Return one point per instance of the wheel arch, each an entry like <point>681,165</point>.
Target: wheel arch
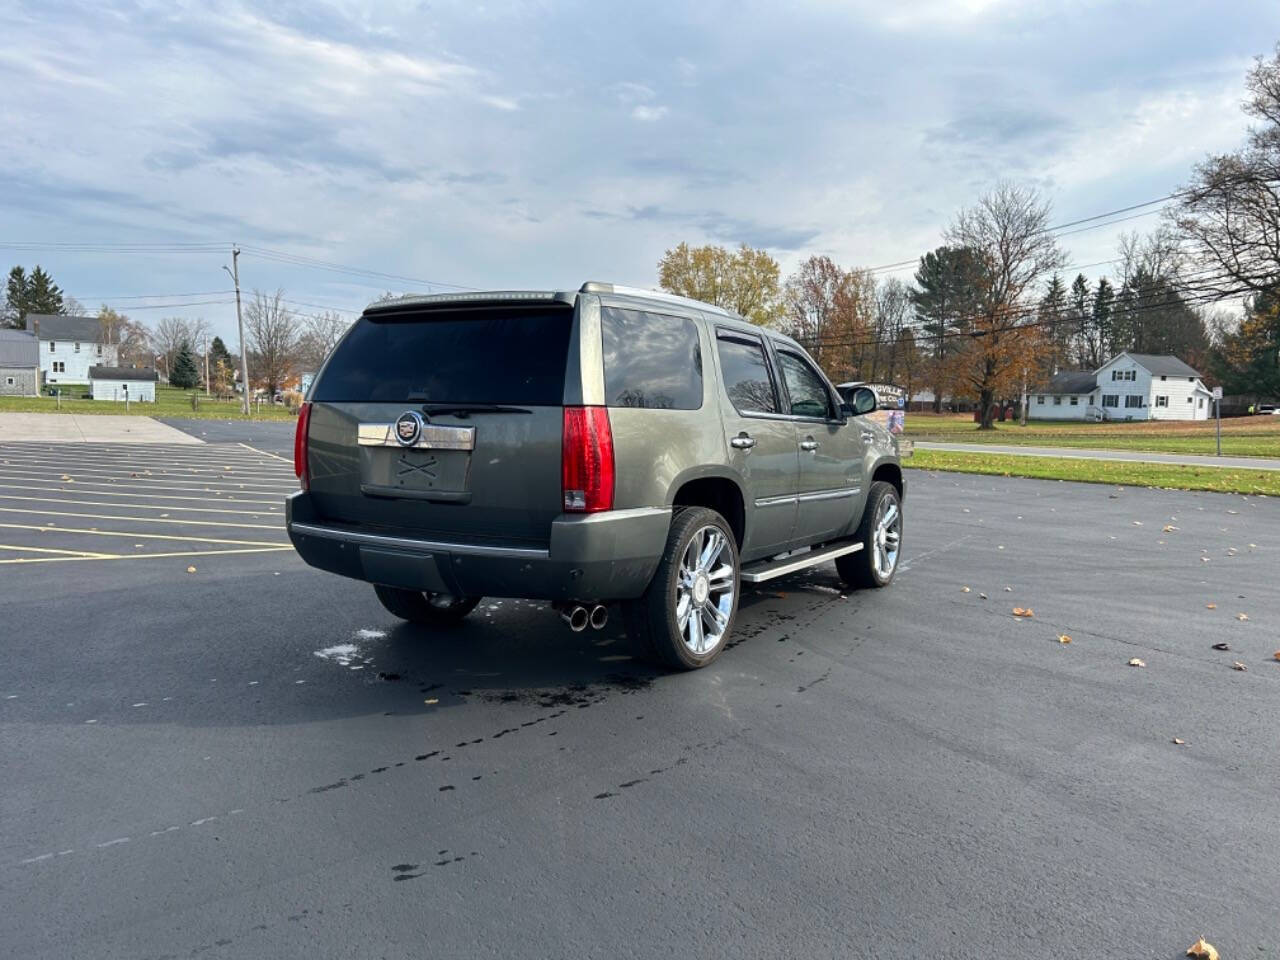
<point>716,490</point>
<point>890,472</point>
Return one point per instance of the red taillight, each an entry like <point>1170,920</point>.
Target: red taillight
<point>586,460</point>
<point>300,445</point>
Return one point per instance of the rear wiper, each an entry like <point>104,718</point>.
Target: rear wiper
<point>464,409</point>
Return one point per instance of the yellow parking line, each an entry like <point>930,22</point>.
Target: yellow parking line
<point>137,506</point>
<point>186,523</point>
<point>138,536</point>
<point>113,493</point>
<point>78,553</point>
<point>145,556</point>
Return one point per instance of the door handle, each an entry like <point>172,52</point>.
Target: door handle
<point>868,436</point>
<point>808,443</point>
<point>743,441</point>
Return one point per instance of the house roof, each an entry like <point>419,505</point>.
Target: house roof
<point>122,373</point>
<point>18,349</point>
<point>1162,365</point>
<point>55,326</point>
<point>1072,381</point>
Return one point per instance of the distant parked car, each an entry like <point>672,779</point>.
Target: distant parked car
<point>1270,408</point>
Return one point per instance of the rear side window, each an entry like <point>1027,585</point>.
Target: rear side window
<point>509,355</point>
<point>746,376</point>
<point>650,360</point>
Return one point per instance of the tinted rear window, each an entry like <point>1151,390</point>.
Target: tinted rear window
<point>746,376</point>
<point>490,355</point>
<point>651,360</point>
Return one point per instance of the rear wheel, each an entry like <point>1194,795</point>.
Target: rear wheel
<point>417,606</point>
<point>881,535</point>
<point>685,617</point>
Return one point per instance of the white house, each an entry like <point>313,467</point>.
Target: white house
<point>121,383</point>
<point>69,346</point>
<point>1131,386</point>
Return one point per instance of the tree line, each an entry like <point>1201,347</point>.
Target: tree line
<point>990,313</point>
<point>281,342</point>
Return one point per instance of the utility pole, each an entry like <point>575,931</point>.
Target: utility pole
<point>206,364</point>
<point>244,359</point>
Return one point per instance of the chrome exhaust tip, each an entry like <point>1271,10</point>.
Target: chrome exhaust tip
<point>599,616</point>
<point>576,617</point>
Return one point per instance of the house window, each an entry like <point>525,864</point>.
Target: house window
<point>99,349</point>
<point>1111,399</point>
<point>1133,400</point>
<point>1188,399</point>
<point>1191,379</point>
<point>1163,378</point>
<point>77,347</point>
<point>59,366</point>
<point>52,346</point>
<point>8,381</point>
<point>1057,401</point>
<point>1201,403</point>
<point>1115,375</point>
<point>1091,399</point>
<point>1075,401</point>
<point>1040,400</point>
<point>1162,401</point>
<point>1133,375</point>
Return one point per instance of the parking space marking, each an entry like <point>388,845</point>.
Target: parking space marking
<point>149,556</point>
<point>158,484</point>
<point>188,523</point>
<point>75,553</point>
<point>140,536</point>
<point>115,493</point>
<point>102,477</point>
<point>134,506</point>
<point>150,469</point>
<point>266,453</point>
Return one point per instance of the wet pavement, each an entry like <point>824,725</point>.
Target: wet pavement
<point>254,759</point>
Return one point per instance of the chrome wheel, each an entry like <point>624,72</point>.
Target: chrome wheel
<point>705,590</point>
<point>886,537</point>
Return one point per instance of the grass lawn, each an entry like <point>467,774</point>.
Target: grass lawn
<point>1217,479</point>
<point>170,402</point>
<point>1241,436</point>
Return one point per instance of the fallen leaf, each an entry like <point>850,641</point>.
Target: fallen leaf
<point>1135,662</point>
<point>1211,606</point>
<point>1277,654</point>
<point>1137,523</point>
<point>65,477</point>
<point>191,569</point>
<point>1222,646</point>
<point>964,589</point>
<point>1242,616</point>
<point>1008,589</point>
<point>1239,666</point>
<point>1169,528</point>
<point>1023,612</point>
<point>983,596</point>
<point>1063,638</point>
<point>1202,949</point>
<point>432,700</point>
<point>1179,741</point>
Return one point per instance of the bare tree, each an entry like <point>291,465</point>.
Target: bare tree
<point>272,331</point>
<point>167,338</point>
<point>320,334</point>
<point>829,310</point>
<point>893,307</point>
<point>1230,212</point>
<point>1008,230</point>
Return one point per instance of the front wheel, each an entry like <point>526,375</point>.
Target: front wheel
<point>685,617</point>
<point>880,533</point>
<point>429,609</point>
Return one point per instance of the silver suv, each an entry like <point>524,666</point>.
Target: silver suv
<point>606,445</point>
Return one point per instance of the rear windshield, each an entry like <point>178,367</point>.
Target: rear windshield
<point>510,355</point>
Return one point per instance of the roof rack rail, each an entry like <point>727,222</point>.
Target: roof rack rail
<point>595,286</point>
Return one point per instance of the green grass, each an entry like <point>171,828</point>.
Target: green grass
<point>1169,476</point>
<point>170,402</point>
<point>1241,436</point>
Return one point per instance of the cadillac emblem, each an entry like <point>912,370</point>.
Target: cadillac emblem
<point>408,428</point>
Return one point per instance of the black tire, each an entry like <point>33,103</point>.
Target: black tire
<point>861,569</point>
<point>653,621</point>
<point>430,609</point>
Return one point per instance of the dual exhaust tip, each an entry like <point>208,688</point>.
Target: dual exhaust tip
<point>578,617</point>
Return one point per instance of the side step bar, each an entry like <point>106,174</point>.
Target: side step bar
<point>768,569</point>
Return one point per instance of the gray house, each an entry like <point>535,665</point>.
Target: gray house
<point>19,364</point>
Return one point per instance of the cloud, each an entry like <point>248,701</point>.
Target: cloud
<point>647,114</point>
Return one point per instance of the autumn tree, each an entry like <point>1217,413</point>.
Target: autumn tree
<point>1247,358</point>
<point>272,332</point>
<point>132,340</point>
<point>1229,214</point>
<point>829,310</point>
<point>744,281</point>
<point>1008,232</point>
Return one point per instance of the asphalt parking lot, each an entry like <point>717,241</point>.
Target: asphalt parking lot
<point>254,759</point>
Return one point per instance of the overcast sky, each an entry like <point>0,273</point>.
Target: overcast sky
<point>543,144</point>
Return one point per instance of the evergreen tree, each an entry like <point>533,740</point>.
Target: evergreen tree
<point>34,293</point>
<point>185,374</point>
<point>944,305</point>
<point>1103,320</point>
<point>1051,314</point>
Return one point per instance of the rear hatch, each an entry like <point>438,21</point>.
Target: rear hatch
<point>487,382</point>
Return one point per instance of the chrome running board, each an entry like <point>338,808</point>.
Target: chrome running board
<point>761,571</point>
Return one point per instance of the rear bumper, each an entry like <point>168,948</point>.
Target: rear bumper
<point>601,556</point>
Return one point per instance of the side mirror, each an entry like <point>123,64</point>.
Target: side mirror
<point>864,401</point>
